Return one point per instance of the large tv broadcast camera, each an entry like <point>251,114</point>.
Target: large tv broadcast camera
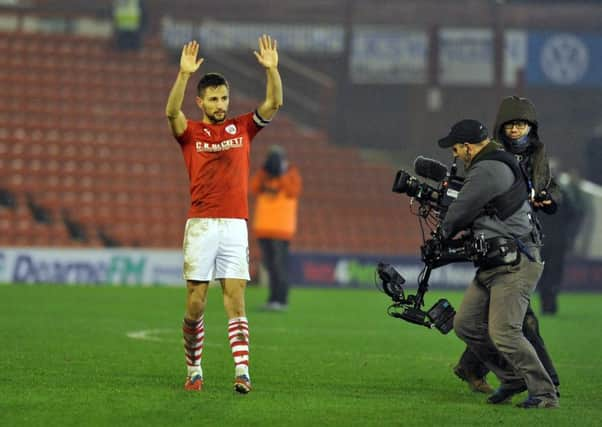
<point>433,202</point>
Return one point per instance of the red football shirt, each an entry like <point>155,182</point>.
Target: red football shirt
<point>217,159</point>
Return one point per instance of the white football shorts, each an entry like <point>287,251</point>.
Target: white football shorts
<point>216,248</point>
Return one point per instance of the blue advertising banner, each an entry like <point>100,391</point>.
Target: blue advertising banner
<point>564,59</point>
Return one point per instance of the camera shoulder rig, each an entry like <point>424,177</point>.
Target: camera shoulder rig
<point>438,252</point>
<point>439,316</point>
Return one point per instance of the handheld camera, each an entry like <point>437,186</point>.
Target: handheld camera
<point>433,201</point>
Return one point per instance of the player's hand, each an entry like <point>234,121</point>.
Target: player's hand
<point>188,61</point>
<point>268,52</point>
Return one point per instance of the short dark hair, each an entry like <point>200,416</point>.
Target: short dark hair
<point>210,80</point>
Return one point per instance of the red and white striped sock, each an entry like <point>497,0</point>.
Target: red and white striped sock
<point>193,332</point>
<point>238,335</point>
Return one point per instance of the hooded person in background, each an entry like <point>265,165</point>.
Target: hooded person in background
<point>516,128</point>
<point>593,157</point>
<point>561,230</point>
<point>277,186</point>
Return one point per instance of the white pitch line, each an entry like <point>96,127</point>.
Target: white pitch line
<point>148,334</point>
<point>151,335</point>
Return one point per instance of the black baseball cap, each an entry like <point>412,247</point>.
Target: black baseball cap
<point>468,130</point>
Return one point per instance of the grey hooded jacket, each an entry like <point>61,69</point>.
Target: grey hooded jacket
<point>536,162</point>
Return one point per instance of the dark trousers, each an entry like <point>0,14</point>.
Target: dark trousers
<point>274,254</point>
<point>472,364</point>
<point>128,40</point>
<point>551,279</point>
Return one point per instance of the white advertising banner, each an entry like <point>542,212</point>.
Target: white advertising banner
<point>231,35</point>
<point>466,56</point>
<point>388,55</point>
<point>515,56</point>
<point>109,267</point>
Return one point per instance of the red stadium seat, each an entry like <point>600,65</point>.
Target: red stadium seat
<point>97,145</point>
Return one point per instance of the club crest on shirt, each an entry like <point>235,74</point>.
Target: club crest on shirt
<point>231,129</point>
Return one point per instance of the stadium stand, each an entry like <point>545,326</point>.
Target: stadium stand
<point>84,146</point>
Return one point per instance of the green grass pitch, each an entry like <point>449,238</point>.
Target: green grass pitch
<point>85,356</point>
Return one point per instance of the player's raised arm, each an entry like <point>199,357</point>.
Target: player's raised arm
<point>268,58</point>
<point>188,65</point>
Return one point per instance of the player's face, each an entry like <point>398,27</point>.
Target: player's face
<point>214,103</point>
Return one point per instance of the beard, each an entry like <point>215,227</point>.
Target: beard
<point>217,117</point>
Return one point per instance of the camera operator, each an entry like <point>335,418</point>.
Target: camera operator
<point>493,204</point>
<point>516,127</point>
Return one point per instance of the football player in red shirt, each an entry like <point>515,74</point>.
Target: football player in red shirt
<point>216,152</point>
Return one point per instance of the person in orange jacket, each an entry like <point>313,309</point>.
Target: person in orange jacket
<point>277,186</point>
